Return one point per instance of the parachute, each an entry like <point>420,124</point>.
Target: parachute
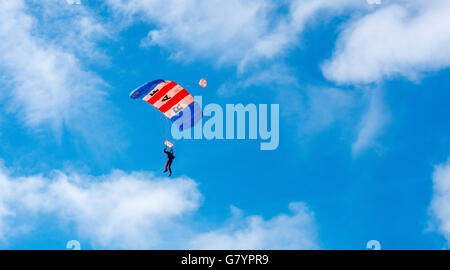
<point>172,100</point>
<point>202,83</point>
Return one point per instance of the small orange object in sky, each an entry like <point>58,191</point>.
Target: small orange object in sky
<point>202,83</point>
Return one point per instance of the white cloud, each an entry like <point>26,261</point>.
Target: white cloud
<point>407,38</point>
<point>236,31</point>
<point>441,198</point>
<point>46,83</point>
<point>117,210</point>
<point>135,210</point>
<point>296,231</point>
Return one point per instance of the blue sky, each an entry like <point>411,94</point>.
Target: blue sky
<point>364,135</point>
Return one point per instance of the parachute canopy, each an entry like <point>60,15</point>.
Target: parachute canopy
<point>172,100</point>
<point>202,83</point>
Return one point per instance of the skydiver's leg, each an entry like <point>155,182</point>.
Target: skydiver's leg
<point>167,164</point>
<point>170,167</point>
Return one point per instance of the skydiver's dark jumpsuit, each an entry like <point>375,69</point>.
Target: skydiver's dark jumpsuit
<point>170,157</point>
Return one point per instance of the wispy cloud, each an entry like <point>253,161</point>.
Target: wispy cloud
<point>277,76</point>
<point>46,83</point>
<point>326,106</point>
<point>234,32</point>
<point>372,123</point>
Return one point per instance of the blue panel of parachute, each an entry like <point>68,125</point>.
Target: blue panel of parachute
<point>188,117</point>
<point>144,89</point>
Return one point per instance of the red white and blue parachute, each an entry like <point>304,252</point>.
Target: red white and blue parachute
<point>172,100</point>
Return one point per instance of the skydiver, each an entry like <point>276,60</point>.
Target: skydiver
<point>170,157</point>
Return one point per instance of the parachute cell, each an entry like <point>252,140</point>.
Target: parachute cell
<point>172,100</point>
